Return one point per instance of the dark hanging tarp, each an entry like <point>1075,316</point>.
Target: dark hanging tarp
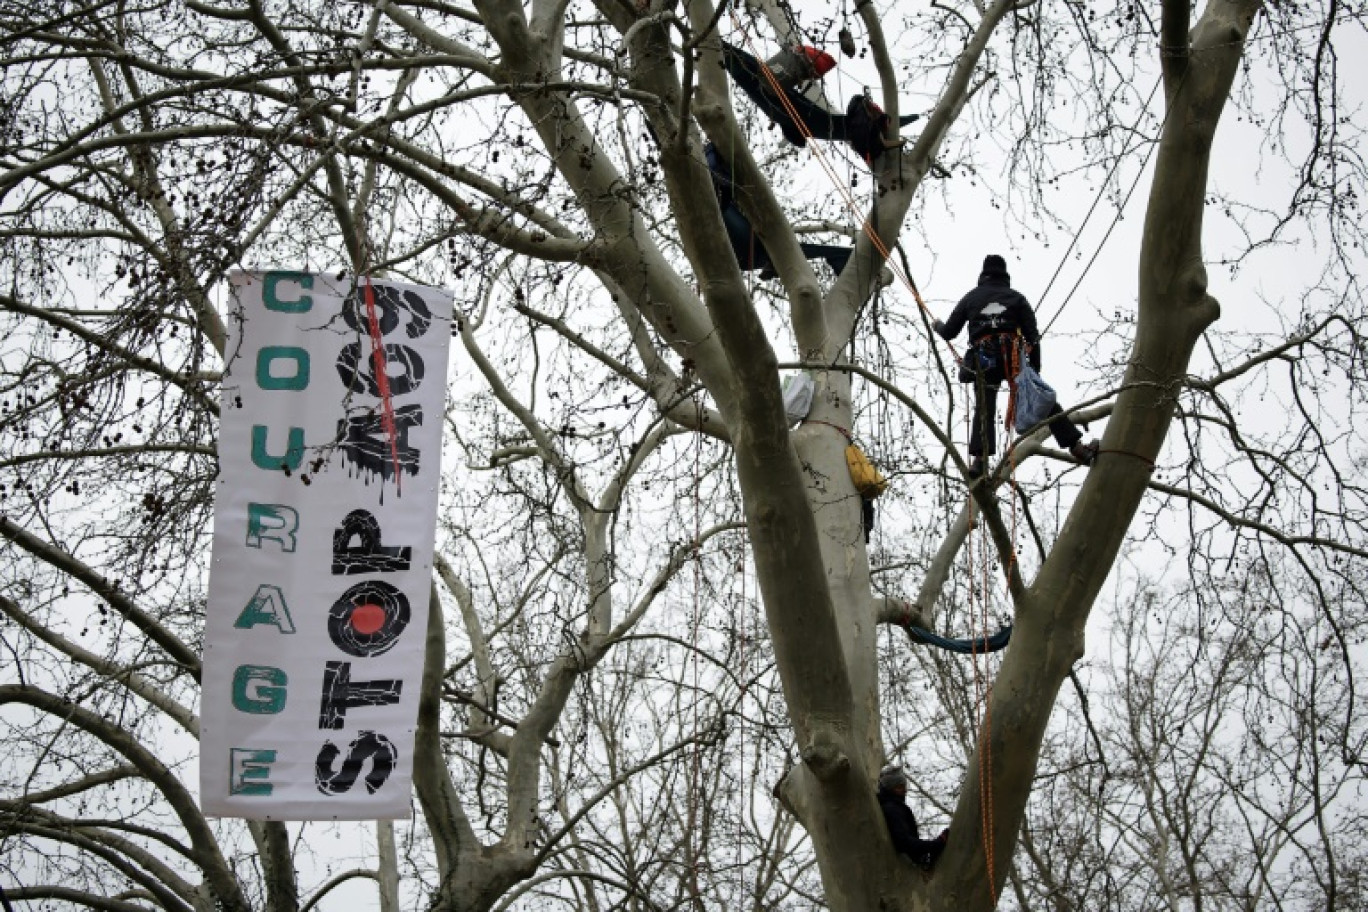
<point>822,124</point>
<point>993,643</point>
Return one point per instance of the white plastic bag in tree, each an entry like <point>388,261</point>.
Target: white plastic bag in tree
<point>798,389</point>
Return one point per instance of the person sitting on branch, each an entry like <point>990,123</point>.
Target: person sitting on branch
<point>999,319</point>
<point>902,825</point>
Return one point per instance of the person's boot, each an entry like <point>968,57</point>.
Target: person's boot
<point>1085,453</point>
<point>976,467</point>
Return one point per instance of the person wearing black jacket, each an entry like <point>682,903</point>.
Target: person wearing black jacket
<point>745,243</point>
<point>995,313</point>
<point>902,826</point>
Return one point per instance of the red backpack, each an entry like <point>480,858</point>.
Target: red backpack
<point>799,63</point>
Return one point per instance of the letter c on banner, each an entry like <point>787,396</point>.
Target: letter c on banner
<point>270,292</point>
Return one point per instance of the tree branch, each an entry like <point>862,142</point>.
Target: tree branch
<point>72,566</point>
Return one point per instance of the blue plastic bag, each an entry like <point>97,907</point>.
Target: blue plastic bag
<point>1035,399</point>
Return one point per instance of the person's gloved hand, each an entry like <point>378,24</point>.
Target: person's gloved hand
<point>938,326</point>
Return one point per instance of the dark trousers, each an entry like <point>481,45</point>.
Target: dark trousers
<point>986,385</point>
<point>751,254</point>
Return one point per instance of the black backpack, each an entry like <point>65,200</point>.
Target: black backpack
<point>865,124</point>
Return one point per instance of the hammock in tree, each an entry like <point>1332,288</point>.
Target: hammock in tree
<point>746,72</point>
<point>992,643</point>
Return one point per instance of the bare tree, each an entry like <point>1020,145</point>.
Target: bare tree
<point>654,675</point>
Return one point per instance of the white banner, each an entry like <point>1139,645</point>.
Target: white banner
<point>318,596</point>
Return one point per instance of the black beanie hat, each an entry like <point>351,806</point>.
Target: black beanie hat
<point>994,264</point>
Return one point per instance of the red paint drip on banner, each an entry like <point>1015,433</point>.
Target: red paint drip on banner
<point>382,380</point>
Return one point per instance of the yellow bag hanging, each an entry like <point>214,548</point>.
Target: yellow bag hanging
<point>867,479</point>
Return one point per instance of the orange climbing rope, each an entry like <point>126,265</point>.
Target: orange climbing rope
<point>1012,349</point>
<point>983,691</point>
<point>1009,345</point>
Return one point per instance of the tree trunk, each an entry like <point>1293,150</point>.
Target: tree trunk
<point>1174,310</point>
<point>388,865</point>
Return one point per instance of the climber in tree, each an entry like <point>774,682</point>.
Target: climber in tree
<point>996,314</point>
<point>902,826</point>
<point>750,252</point>
<point>791,68</point>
